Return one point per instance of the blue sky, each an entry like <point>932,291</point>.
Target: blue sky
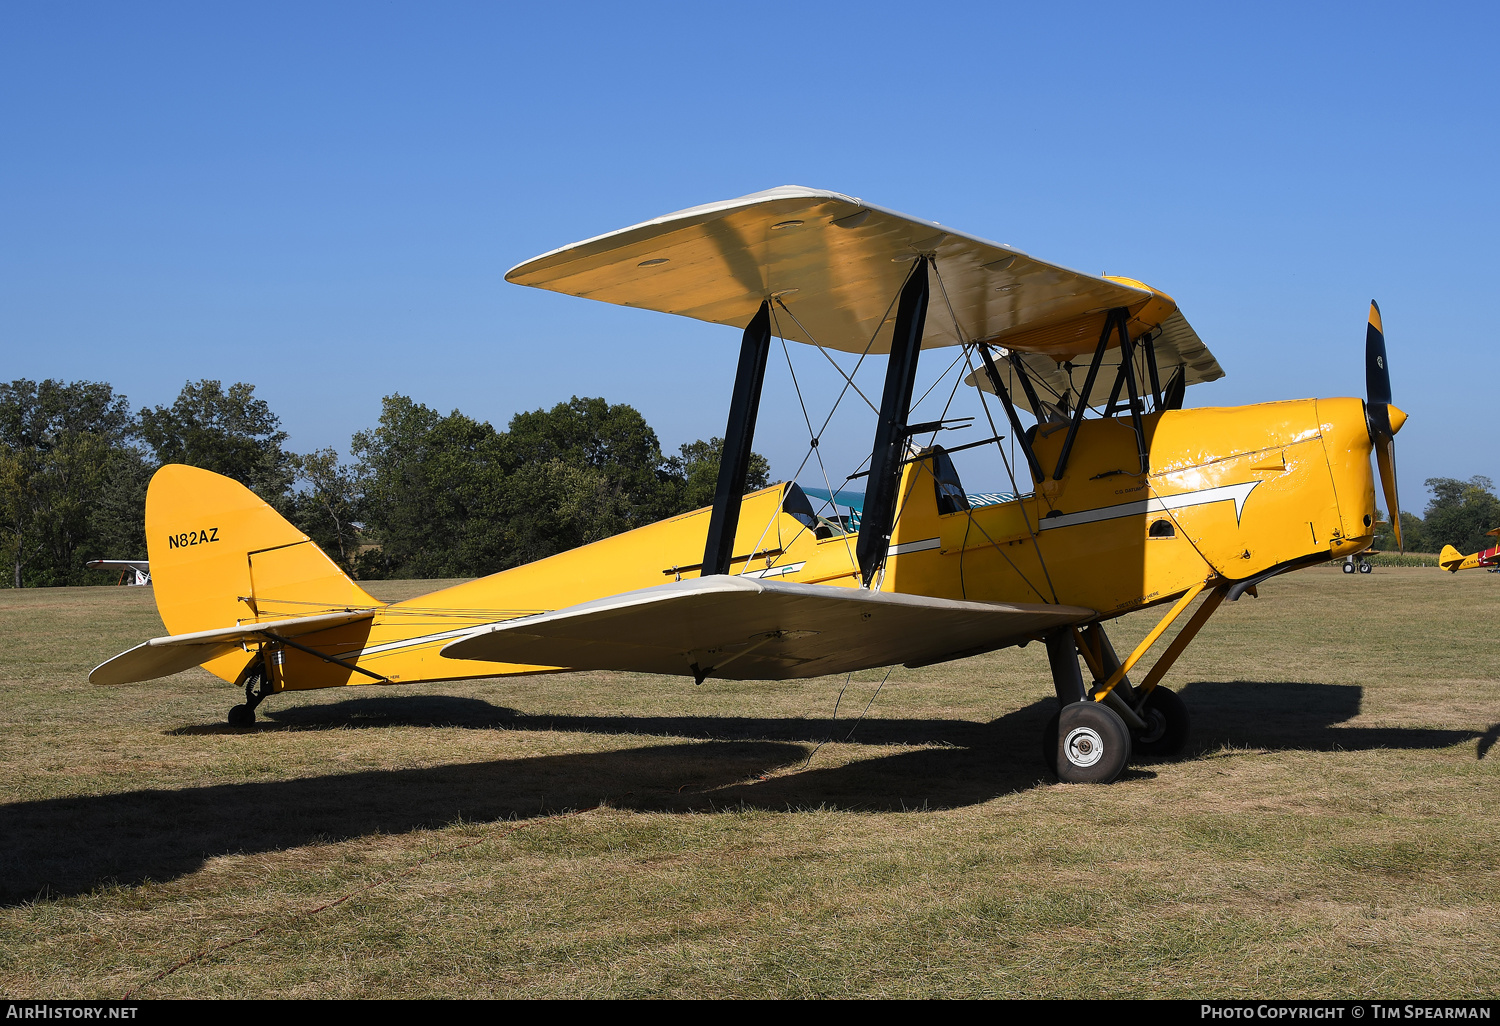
<point>322,199</point>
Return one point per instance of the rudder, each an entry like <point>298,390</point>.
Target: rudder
<point>220,555</point>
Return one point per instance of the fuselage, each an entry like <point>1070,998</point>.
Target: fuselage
<point>1231,493</point>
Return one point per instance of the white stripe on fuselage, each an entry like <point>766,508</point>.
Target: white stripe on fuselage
<point>1238,493</point>
<point>462,632</point>
<point>775,571</point>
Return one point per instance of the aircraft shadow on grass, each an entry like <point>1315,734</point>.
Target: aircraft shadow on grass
<point>66,846</point>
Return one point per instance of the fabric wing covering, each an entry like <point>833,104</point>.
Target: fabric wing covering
<point>161,657</point>
<point>737,629</point>
<point>837,263</point>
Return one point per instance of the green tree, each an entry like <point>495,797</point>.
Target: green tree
<point>328,510</point>
<point>697,468</point>
<point>117,521</point>
<point>1413,533</point>
<point>63,448</point>
<point>1460,513</point>
<point>231,433</point>
<point>612,439</point>
<point>433,488</point>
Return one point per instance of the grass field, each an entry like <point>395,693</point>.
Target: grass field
<point>1333,831</point>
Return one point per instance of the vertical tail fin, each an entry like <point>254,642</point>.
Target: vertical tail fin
<point>1451,560</point>
<point>220,555</point>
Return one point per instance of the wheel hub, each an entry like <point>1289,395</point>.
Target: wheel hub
<point>1156,726</point>
<point>1083,746</point>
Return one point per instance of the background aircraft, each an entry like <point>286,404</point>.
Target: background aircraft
<point>1452,560</point>
<point>136,572</point>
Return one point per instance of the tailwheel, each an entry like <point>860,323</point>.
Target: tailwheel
<point>1167,723</point>
<point>1086,743</point>
<point>258,688</point>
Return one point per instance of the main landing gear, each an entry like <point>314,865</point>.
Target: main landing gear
<point>1353,563</point>
<point>257,689</point>
<point>1091,742</point>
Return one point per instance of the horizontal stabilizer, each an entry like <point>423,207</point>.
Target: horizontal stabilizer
<point>162,657</point>
<point>738,629</point>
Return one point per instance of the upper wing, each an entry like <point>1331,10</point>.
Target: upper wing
<point>118,564</point>
<point>161,657</point>
<point>838,263</point>
<point>738,629</point>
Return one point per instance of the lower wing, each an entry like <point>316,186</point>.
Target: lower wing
<point>738,629</point>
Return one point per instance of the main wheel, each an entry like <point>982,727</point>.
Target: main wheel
<point>242,716</point>
<point>1086,743</point>
<point>1167,723</point>
<point>1348,567</point>
<point>1365,568</point>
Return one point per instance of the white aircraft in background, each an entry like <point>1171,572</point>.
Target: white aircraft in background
<point>133,572</point>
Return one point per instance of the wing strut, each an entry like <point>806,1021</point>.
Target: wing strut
<point>889,451</point>
<point>1088,386</point>
<point>1149,341</point>
<point>739,434</point>
<point>1176,390</point>
<point>1127,365</point>
<point>1010,412</point>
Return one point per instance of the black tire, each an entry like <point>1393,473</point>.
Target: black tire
<point>242,716</point>
<point>1087,743</point>
<point>1348,567</point>
<point>1365,568</point>
<point>1167,724</point>
<point>1049,743</point>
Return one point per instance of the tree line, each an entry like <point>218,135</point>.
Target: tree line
<point>1459,514</point>
<point>425,495</point>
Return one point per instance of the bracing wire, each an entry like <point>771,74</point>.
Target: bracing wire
<point>848,378</point>
<point>939,381</point>
<point>811,452</point>
<point>1010,472</point>
<point>848,384</point>
<point>835,718</point>
<point>850,735</point>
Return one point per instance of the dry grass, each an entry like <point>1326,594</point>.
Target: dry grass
<point>1332,832</point>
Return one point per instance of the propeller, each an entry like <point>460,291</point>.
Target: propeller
<point>1382,418</point>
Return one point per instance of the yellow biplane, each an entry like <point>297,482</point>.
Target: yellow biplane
<point>1125,499</point>
<point>1451,560</point>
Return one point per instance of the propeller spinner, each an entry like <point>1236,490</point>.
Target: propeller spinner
<point>1382,417</point>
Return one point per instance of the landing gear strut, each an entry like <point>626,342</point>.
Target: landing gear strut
<point>257,690</point>
<point>1084,742</point>
<point>1088,741</point>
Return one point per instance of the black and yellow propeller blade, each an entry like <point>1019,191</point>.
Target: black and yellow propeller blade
<point>1381,417</point>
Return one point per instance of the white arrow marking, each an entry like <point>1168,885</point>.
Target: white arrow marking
<point>1238,493</point>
